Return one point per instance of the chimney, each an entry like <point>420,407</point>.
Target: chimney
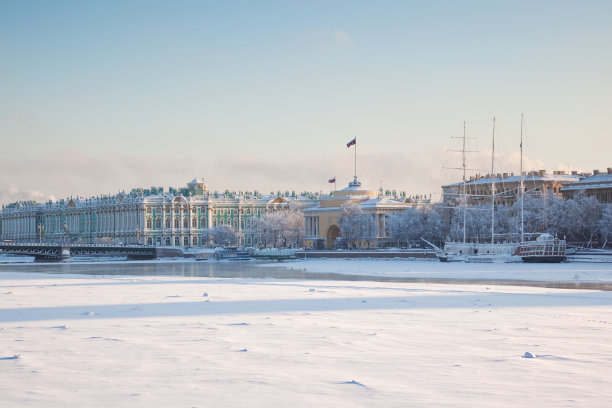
<point>574,172</point>
<point>505,175</point>
<point>595,172</point>
<point>541,173</point>
<point>609,170</point>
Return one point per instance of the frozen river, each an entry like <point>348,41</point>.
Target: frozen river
<point>326,333</point>
<point>564,275</point>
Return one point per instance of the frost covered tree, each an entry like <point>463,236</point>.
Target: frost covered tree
<point>605,224</point>
<point>588,217</point>
<point>224,235</point>
<point>350,217</point>
<point>281,228</point>
<point>412,224</point>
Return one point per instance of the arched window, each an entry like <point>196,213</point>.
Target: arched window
<point>185,241</point>
<point>235,222</point>
<point>195,241</point>
<point>222,221</point>
<point>149,241</point>
<point>158,241</point>
<point>194,223</point>
<point>176,223</point>
<point>176,241</point>
<point>167,241</point>
<point>202,222</point>
<point>158,223</point>
<point>185,222</point>
<point>149,223</point>
<point>168,223</point>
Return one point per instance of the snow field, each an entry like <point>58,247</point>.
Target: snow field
<point>158,341</point>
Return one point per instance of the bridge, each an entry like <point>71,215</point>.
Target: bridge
<point>59,252</point>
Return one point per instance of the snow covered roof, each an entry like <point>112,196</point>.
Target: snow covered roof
<point>568,178</point>
<point>594,182</point>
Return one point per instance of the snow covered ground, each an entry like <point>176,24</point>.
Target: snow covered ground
<point>76,340</point>
<point>417,268</point>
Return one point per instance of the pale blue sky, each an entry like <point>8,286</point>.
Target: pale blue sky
<point>103,96</point>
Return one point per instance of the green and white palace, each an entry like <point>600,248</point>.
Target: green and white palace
<point>178,217</point>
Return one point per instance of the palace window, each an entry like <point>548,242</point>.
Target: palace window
<point>185,222</point>
<point>167,241</point>
<point>148,209</point>
<point>194,223</point>
<point>149,241</point>
<point>203,222</point>
<point>158,223</point>
<point>195,241</point>
<point>158,241</point>
<point>177,223</point>
<point>149,223</point>
<point>177,242</point>
<point>186,241</point>
<point>168,223</point>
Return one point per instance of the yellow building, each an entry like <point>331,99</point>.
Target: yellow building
<point>322,222</point>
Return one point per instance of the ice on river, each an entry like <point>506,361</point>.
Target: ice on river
<point>147,341</point>
<point>407,268</point>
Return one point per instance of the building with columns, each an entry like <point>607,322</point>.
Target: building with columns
<point>180,217</point>
<point>322,221</point>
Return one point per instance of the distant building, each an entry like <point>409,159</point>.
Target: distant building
<point>507,186</point>
<point>322,221</point>
<point>598,185</point>
<point>179,217</point>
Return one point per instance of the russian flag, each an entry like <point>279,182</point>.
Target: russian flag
<point>332,180</point>
<point>352,142</point>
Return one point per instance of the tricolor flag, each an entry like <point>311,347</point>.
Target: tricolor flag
<point>332,180</point>
<point>352,143</point>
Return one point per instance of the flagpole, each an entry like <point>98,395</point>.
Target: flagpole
<point>355,158</point>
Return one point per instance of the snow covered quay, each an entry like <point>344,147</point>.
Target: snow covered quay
<point>76,340</point>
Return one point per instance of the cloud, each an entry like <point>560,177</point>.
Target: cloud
<point>342,37</point>
<point>326,38</point>
<point>12,193</point>
<point>70,172</point>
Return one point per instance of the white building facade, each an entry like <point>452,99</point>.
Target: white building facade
<point>182,217</point>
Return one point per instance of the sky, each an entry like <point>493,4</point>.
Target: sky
<point>101,97</point>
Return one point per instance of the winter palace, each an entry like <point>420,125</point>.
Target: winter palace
<point>180,217</point>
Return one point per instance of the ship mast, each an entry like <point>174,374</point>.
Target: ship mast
<point>522,188</point>
<point>464,186</point>
<point>493,187</point>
